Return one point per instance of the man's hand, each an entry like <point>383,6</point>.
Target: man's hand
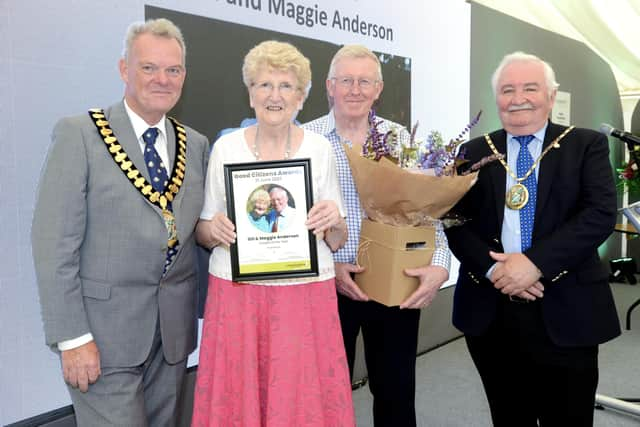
<point>431,278</point>
<point>81,365</point>
<point>533,292</point>
<point>514,273</point>
<point>345,285</point>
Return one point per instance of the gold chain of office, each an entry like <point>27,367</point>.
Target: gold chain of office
<point>136,178</point>
<point>517,196</point>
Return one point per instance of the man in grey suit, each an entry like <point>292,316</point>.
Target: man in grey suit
<point>113,243</point>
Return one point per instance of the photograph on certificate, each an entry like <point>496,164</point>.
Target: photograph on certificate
<point>268,203</point>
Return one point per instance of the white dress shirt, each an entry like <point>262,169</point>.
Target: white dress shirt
<point>510,236</point>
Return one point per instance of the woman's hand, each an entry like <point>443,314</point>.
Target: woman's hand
<point>322,216</point>
<point>326,223</point>
<point>219,229</point>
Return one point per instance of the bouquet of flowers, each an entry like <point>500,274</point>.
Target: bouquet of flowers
<point>410,182</point>
<point>629,177</point>
<point>406,186</point>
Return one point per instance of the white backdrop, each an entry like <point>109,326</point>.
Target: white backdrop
<point>60,58</point>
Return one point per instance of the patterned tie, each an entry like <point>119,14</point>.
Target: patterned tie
<point>159,179</point>
<point>274,227</point>
<point>527,213</point>
<point>157,171</point>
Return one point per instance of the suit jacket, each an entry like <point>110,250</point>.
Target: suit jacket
<point>575,213</point>
<point>99,246</point>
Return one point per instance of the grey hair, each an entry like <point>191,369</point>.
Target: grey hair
<point>549,74</point>
<point>354,51</point>
<point>278,189</point>
<point>160,27</point>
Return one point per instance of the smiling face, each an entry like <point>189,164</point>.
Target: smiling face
<point>523,98</point>
<point>353,102</point>
<point>279,199</point>
<point>275,97</point>
<point>260,207</point>
<point>153,73</point>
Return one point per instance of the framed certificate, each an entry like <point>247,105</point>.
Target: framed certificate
<point>268,203</point>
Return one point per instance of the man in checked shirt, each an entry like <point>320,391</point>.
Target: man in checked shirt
<point>390,334</point>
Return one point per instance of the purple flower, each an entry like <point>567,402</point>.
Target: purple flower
<point>377,144</point>
<point>444,157</point>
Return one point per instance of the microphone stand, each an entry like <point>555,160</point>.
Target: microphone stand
<point>623,404</point>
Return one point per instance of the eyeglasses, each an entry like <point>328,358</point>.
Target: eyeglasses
<point>285,88</point>
<point>151,69</point>
<point>347,82</point>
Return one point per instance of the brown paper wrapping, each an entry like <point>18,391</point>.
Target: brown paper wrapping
<point>395,196</point>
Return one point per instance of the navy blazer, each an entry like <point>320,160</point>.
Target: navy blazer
<point>575,213</point>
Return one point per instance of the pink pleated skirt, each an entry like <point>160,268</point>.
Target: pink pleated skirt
<point>272,356</point>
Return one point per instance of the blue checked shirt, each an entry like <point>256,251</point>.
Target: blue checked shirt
<point>326,126</point>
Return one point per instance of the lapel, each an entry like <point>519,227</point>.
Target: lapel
<point>123,130</point>
<point>171,144</point>
<point>497,172</point>
<point>171,148</point>
<point>547,167</point>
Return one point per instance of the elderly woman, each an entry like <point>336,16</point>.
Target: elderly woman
<point>271,350</point>
<point>259,203</point>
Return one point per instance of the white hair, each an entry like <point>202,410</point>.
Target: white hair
<point>279,190</point>
<point>549,74</point>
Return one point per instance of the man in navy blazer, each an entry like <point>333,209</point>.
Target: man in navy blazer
<point>113,241</point>
<point>532,295</point>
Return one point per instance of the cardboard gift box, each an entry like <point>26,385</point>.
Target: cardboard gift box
<point>385,251</point>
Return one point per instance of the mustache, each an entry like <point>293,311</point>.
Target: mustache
<point>525,106</point>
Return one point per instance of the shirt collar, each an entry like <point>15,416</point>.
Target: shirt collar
<point>285,212</point>
<point>140,126</point>
<point>539,135</point>
<point>330,124</point>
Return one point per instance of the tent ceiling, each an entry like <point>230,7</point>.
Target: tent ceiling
<point>611,28</point>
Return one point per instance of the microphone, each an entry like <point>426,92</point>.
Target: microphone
<point>621,135</point>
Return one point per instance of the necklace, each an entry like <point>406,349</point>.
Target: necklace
<point>161,200</point>
<point>517,196</point>
<point>287,146</point>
